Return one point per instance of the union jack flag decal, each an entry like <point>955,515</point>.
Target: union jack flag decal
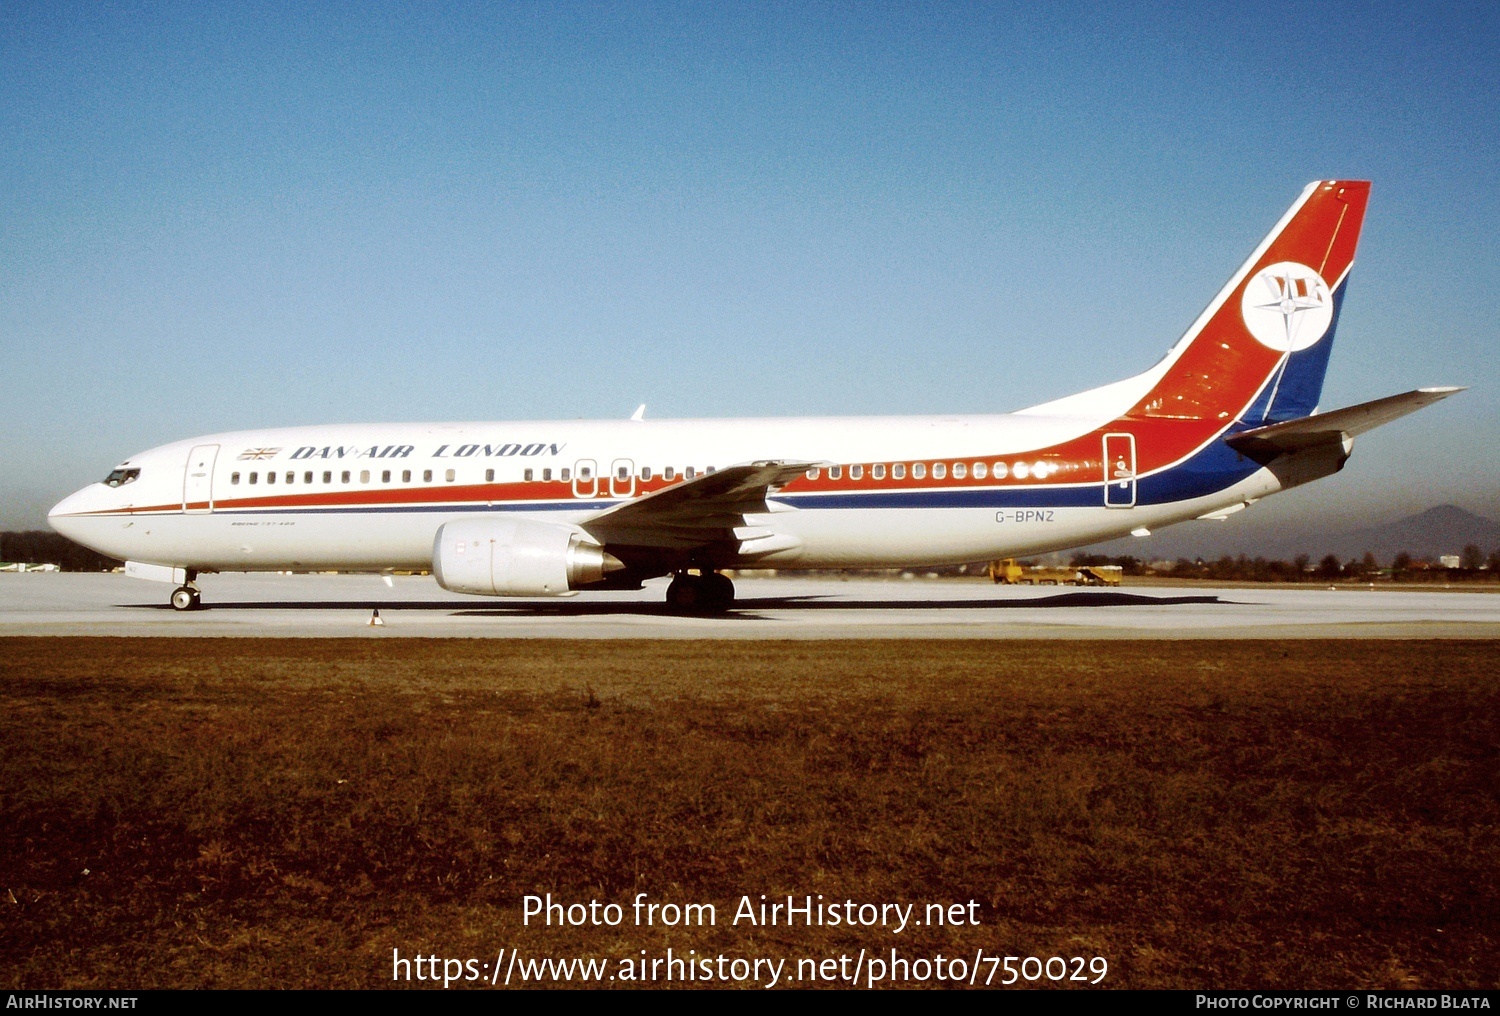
<point>258,453</point>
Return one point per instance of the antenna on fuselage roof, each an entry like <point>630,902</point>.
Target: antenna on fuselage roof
<point>639,414</point>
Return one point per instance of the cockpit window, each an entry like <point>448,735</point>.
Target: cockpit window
<point>120,477</point>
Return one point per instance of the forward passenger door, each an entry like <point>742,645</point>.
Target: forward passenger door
<point>198,484</point>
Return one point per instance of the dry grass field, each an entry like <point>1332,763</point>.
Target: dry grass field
<point>258,812</point>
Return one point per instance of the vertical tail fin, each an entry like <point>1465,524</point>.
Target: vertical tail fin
<point>1259,351</point>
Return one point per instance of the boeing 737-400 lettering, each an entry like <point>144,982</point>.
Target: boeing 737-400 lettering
<point>545,508</point>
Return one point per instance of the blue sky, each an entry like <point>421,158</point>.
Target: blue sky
<point>237,215</point>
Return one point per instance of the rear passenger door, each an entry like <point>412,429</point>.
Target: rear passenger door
<point>1119,470</point>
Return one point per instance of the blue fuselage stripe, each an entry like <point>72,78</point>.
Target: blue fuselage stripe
<point>1214,468</point>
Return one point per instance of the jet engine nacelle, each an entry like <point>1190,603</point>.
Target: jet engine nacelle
<point>517,557</point>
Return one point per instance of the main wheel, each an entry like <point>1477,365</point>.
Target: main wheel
<point>718,591</point>
<point>184,598</point>
<point>690,593</point>
<point>685,592</point>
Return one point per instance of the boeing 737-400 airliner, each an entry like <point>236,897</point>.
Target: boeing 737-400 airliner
<point>544,508</point>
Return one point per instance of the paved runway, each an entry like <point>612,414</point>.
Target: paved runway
<point>341,605</point>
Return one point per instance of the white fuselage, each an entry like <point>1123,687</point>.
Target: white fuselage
<point>372,496</point>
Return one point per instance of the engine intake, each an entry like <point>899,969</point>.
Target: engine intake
<point>517,557</point>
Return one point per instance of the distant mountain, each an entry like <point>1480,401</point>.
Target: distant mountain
<point>1445,529</point>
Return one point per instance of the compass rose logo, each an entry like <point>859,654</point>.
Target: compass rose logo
<point>1287,306</point>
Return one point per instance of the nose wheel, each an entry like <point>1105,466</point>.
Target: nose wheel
<point>706,593</point>
<point>186,598</point>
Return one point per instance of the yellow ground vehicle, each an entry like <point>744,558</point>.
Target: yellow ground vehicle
<point>1008,572</point>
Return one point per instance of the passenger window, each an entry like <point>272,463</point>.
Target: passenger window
<point>567,474</point>
<point>856,472</point>
<point>385,476</point>
<point>527,475</point>
<point>327,476</point>
<point>689,474</point>
<point>918,470</point>
<point>645,472</point>
<point>406,476</point>
<point>364,476</point>
<point>980,470</point>
<point>1001,470</point>
<point>813,474</point>
<point>623,473</point>
<point>670,474</point>
<point>960,471</point>
<point>234,477</point>
<point>710,469</point>
<point>939,470</point>
<point>835,472</point>
<point>585,473</point>
<point>449,476</point>
<point>426,476</point>
<point>878,471</point>
<point>898,471</point>
<point>344,476</point>
<point>270,477</point>
<point>254,477</point>
<point>307,476</point>
<point>489,476</point>
<point>546,474</point>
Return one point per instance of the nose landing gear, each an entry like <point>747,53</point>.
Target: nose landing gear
<point>708,592</point>
<point>186,596</point>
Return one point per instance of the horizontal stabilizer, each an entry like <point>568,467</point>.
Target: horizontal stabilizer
<point>1266,443</point>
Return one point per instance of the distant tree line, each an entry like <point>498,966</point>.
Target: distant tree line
<point>41,547</point>
<point>1404,567</point>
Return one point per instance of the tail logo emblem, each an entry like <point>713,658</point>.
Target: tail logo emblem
<point>1287,307</point>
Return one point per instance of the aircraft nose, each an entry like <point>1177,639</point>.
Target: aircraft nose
<point>64,515</point>
<point>84,517</point>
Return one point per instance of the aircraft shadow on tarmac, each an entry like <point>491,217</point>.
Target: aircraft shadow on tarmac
<point>743,609</point>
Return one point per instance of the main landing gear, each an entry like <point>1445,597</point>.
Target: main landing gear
<point>706,592</point>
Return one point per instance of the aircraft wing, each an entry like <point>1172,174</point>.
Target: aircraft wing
<point>1266,443</point>
<point>706,509</point>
